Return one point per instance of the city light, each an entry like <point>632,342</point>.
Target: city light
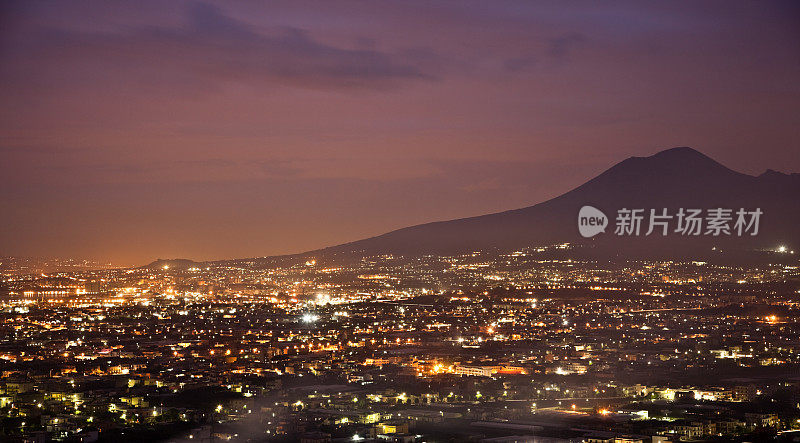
<point>451,351</point>
<point>309,318</point>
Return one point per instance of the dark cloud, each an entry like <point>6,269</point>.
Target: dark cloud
<point>215,47</point>
<point>560,47</point>
<point>557,49</point>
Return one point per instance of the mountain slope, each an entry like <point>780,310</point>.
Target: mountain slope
<point>673,179</point>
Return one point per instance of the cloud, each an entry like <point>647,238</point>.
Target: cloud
<point>213,47</point>
<point>45,165</point>
<point>520,178</point>
<point>555,49</point>
<point>560,47</point>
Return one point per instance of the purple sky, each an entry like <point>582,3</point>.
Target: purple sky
<point>136,130</point>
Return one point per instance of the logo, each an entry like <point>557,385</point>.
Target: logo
<point>714,222</point>
<point>591,221</point>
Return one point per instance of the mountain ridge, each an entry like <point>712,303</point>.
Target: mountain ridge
<point>672,178</point>
<point>680,177</point>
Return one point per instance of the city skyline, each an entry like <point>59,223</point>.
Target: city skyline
<point>516,347</point>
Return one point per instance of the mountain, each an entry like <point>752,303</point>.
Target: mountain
<point>673,179</point>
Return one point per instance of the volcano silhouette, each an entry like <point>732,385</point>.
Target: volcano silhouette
<point>674,178</point>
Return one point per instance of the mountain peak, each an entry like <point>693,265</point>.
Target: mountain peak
<point>680,165</point>
<point>774,173</point>
<point>680,152</point>
<point>681,156</point>
<point>777,177</point>
<point>674,178</point>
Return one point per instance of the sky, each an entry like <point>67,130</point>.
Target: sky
<point>131,131</point>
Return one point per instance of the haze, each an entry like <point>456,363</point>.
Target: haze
<point>137,130</point>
